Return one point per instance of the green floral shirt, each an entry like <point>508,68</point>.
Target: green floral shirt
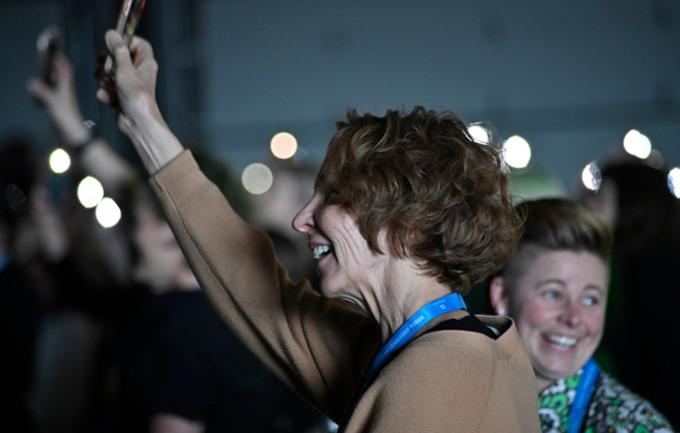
<point>613,408</point>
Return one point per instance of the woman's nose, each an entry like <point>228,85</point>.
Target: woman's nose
<point>571,314</point>
<point>304,220</point>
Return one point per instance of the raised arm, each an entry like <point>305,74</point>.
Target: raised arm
<point>135,94</point>
<point>318,347</point>
<point>61,105</point>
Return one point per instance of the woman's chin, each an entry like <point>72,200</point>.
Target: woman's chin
<point>551,370</point>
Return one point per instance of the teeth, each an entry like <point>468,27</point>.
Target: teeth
<point>562,341</point>
<point>320,251</point>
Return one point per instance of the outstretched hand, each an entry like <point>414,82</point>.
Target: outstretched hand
<point>133,88</point>
<point>61,101</point>
<point>133,91</point>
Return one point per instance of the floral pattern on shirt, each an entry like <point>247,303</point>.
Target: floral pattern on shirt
<point>613,408</point>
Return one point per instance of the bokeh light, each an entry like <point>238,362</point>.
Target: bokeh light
<point>637,144</point>
<point>674,181</point>
<point>516,152</point>
<point>283,145</point>
<point>479,133</point>
<point>90,192</point>
<point>107,213</point>
<point>257,178</point>
<point>59,161</point>
<point>591,177</point>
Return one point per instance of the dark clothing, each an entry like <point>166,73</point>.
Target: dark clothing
<point>645,285</point>
<point>468,323</point>
<point>20,316</point>
<point>178,357</point>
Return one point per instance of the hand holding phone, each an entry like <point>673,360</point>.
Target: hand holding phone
<point>126,25</point>
<point>128,18</point>
<point>48,46</point>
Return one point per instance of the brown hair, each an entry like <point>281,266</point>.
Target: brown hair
<point>557,224</point>
<point>441,197</point>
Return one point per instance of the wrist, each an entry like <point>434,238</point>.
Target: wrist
<point>154,142</point>
<point>74,131</point>
<point>69,122</point>
<point>150,121</point>
<point>81,136</point>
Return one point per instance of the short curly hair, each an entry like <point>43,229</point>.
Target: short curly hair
<point>442,197</point>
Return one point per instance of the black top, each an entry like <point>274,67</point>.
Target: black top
<point>20,317</point>
<point>468,323</point>
<point>178,357</point>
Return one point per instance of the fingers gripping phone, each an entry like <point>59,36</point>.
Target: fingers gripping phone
<point>126,25</point>
<point>128,18</point>
<point>48,46</point>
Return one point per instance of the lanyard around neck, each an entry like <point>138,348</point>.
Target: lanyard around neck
<point>406,332</point>
<point>410,328</point>
<point>586,386</point>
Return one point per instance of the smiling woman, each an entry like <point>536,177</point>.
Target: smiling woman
<point>559,306</point>
<point>555,286</point>
<point>408,213</point>
<point>408,193</point>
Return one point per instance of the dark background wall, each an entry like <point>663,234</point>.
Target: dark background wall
<point>571,77</point>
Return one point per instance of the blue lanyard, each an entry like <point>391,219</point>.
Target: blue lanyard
<point>586,386</point>
<point>407,331</point>
<point>410,328</point>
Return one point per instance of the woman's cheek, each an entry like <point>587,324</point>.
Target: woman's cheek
<point>536,313</point>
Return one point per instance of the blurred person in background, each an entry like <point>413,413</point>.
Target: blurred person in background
<point>556,286</point>
<point>408,212</point>
<point>274,210</point>
<point>177,366</point>
<point>21,306</point>
<point>38,325</point>
<point>636,200</point>
<point>181,367</point>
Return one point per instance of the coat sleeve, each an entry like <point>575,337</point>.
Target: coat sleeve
<point>319,347</point>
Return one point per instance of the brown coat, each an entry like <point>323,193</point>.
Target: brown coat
<point>444,381</point>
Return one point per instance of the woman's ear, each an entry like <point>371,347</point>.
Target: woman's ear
<point>498,295</point>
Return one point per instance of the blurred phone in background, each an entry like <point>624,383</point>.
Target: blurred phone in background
<point>48,45</point>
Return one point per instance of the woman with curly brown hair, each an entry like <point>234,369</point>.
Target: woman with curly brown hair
<point>407,214</point>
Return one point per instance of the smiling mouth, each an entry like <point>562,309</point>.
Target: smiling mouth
<point>561,341</point>
<point>320,251</point>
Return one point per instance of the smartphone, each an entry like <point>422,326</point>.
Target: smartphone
<point>128,18</point>
<point>48,45</point>
<point>126,25</point>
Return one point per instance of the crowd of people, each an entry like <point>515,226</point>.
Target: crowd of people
<point>198,313</point>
